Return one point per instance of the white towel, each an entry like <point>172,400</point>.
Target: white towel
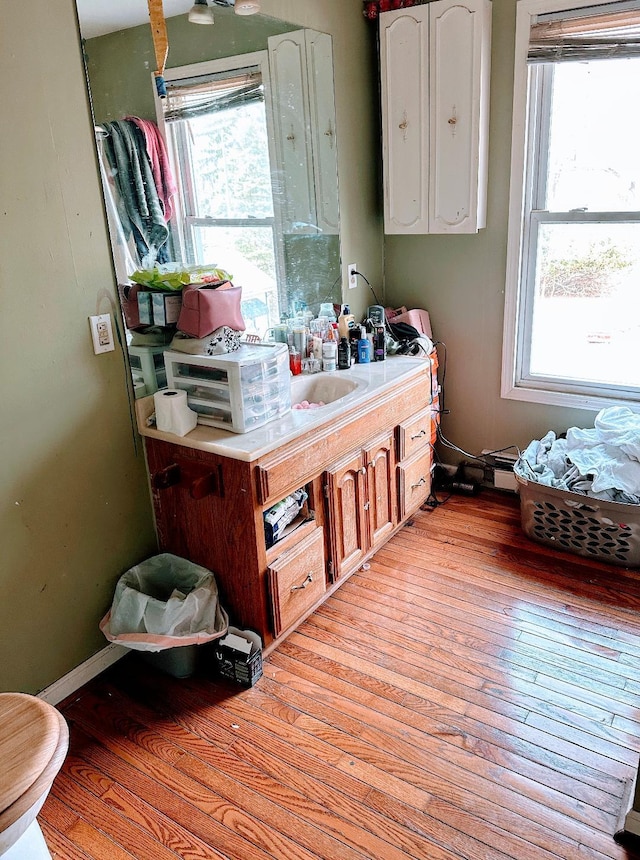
<point>619,426</point>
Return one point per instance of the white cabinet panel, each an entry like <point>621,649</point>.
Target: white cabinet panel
<point>323,129</point>
<point>435,98</point>
<point>289,88</point>
<point>404,56</point>
<point>301,70</point>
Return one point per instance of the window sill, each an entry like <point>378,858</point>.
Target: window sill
<point>591,402</point>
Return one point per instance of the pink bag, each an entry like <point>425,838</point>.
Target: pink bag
<point>206,307</point>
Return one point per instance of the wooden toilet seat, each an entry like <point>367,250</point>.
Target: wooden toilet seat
<point>34,739</point>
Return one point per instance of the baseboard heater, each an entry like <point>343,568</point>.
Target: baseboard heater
<point>502,467</point>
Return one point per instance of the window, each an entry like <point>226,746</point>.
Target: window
<point>572,313</point>
<point>216,123</point>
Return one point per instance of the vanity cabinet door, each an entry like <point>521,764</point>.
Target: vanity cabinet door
<point>348,516</point>
<point>381,489</point>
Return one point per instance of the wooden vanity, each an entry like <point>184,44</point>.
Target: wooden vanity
<point>365,463</point>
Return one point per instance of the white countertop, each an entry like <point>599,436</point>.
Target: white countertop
<point>370,379</point>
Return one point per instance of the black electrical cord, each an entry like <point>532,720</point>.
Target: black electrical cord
<point>369,285</point>
<point>441,381</point>
<point>432,501</point>
<point>443,411</point>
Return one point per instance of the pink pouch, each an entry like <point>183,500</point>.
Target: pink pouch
<point>419,319</point>
<point>206,307</point>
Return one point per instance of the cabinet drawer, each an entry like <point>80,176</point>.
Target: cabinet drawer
<point>414,434</point>
<point>414,481</point>
<point>297,580</point>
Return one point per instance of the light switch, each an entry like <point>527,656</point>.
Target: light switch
<point>101,333</point>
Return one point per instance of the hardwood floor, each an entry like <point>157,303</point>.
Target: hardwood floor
<point>469,695</point>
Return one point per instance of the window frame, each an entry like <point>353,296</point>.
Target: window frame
<point>184,221</point>
<point>529,141</point>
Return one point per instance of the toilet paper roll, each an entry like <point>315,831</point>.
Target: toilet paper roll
<point>173,414</point>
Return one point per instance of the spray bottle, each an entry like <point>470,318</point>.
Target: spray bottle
<point>364,347</point>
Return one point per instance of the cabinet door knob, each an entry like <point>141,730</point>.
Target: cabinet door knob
<point>363,470</point>
<point>304,584</point>
<point>419,435</point>
<point>420,483</point>
<point>367,505</point>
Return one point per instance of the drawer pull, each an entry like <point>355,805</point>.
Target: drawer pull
<point>307,581</point>
<point>167,477</point>
<point>419,435</point>
<point>420,483</point>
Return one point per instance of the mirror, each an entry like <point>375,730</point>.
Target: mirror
<point>255,176</point>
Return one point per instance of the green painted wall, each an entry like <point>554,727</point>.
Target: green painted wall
<point>460,281</point>
<point>75,510</point>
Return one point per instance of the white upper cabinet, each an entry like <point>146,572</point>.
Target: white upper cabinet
<point>435,65</point>
<point>303,106</point>
<point>322,108</point>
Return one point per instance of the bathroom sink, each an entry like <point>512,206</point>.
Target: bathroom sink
<point>321,389</point>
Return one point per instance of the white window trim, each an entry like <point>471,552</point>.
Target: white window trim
<point>228,64</point>
<point>511,388</point>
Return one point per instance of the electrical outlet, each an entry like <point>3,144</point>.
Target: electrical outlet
<point>101,333</point>
<point>352,269</point>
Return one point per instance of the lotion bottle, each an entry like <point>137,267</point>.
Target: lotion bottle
<point>345,322</point>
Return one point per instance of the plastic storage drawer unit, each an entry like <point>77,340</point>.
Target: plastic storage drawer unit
<point>238,391</point>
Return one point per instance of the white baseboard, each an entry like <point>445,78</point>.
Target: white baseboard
<point>632,822</point>
<point>75,679</point>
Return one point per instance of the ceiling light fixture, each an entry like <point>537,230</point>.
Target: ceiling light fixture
<point>247,7</point>
<point>200,13</point>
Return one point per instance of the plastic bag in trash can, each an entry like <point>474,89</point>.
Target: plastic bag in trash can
<point>164,602</point>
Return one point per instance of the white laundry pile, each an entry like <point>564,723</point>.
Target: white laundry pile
<point>603,462</point>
